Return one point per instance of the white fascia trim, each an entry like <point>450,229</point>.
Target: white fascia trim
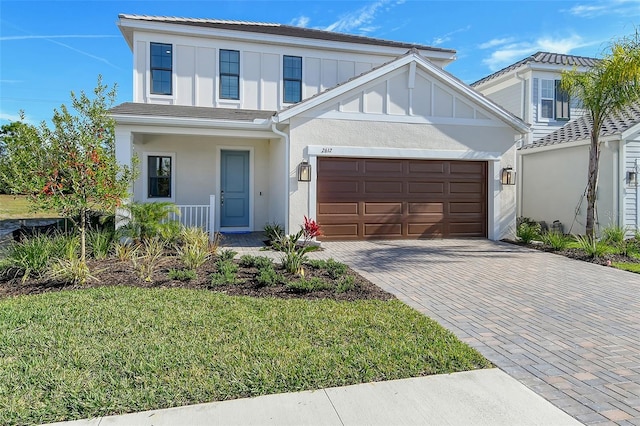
<point>367,152</point>
<point>191,122</point>
<point>630,132</point>
<point>255,37</point>
<point>514,122</point>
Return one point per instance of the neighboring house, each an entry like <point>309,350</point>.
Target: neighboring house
<point>530,90</point>
<point>252,123</point>
<point>554,174</point>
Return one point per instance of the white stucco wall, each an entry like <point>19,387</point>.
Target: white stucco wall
<point>554,181</point>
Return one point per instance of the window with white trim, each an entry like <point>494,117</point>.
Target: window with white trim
<point>292,79</point>
<point>229,74</point>
<point>161,68</point>
<point>554,102</point>
<point>160,176</point>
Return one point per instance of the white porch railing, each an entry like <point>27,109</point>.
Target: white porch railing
<point>198,215</point>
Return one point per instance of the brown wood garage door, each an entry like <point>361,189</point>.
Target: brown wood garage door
<point>361,198</point>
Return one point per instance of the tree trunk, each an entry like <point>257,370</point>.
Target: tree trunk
<point>83,227</point>
<point>592,184</point>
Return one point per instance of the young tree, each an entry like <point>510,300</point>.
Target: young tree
<point>13,135</point>
<point>71,168</point>
<point>606,89</point>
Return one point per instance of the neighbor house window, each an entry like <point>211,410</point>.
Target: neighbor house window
<point>554,102</point>
<point>159,169</point>
<point>161,68</point>
<point>547,89</point>
<point>562,103</point>
<point>292,76</point>
<point>229,74</point>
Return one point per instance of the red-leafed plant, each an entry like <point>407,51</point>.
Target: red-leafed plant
<point>311,229</point>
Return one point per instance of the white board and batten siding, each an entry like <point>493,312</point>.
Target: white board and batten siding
<point>196,80</point>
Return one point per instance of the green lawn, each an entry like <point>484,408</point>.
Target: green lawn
<point>18,207</point>
<point>77,354</point>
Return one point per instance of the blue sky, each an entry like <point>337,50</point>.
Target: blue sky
<point>49,48</point>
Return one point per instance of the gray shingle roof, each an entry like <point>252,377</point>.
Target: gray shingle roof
<point>279,29</point>
<point>580,128</point>
<point>181,111</point>
<point>543,58</point>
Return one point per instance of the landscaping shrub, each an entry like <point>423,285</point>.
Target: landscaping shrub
<point>227,273</point>
<point>194,251</point>
<point>555,240</point>
<point>346,283</point>
<point>528,231</point>
<point>125,252</point>
<point>227,254</point>
<point>99,243</point>
<point>182,274</point>
<point>29,257</point>
<point>71,270</point>
<point>249,261</point>
<point>268,277</point>
<point>335,269</point>
<point>273,231</point>
<point>613,234</point>
<point>148,258</point>
<point>151,220</point>
<point>591,246</point>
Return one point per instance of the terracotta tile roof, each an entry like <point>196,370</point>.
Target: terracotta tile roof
<point>543,58</point>
<point>181,111</point>
<point>280,29</point>
<point>580,128</point>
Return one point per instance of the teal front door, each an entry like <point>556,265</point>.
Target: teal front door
<point>234,189</point>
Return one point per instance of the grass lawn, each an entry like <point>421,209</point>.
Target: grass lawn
<point>76,354</point>
<point>18,207</point>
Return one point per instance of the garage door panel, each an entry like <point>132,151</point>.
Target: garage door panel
<point>421,167</point>
<point>401,198</point>
<point>422,208</point>
<point>393,167</point>
<point>456,207</point>
<point>426,188</point>
<point>338,209</point>
<point>465,188</point>
<point>345,166</point>
<point>382,208</point>
<point>425,230</point>
<point>387,230</point>
<point>383,187</point>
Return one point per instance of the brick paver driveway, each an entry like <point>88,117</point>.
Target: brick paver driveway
<point>568,330</point>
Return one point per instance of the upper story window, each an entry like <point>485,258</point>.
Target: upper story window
<point>161,68</point>
<point>229,74</point>
<point>554,102</point>
<point>292,77</point>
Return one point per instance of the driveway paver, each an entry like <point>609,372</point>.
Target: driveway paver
<point>568,330</point>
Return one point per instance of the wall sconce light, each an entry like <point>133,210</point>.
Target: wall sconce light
<point>632,177</point>
<point>304,172</point>
<point>508,176</point>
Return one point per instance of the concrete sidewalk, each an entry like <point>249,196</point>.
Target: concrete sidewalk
<point>482,397</point>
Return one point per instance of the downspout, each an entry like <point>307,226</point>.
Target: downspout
<point>287,159</point>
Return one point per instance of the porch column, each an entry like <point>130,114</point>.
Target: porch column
<point>124,154</point>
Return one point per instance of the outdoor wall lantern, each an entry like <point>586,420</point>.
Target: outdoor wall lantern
<point>304,172</point>
<point>508,176</point>
<point>632,177</point>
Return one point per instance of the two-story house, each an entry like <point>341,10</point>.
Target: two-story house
<point>249,123</point>
<point>530,89</point>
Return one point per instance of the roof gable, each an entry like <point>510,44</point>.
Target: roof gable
<point>547,58</point>
<point>409,88</point>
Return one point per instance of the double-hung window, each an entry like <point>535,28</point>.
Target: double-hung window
<point>229,74</point>
<point>292,77</point>
<point>554,102</point>
<point>161,68</point>
<point>159,170</point>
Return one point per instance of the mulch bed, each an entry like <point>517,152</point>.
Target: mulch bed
<point>577,254</point>
<point>112,272</point>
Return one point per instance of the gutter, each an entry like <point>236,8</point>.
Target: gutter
<point>287,156</point>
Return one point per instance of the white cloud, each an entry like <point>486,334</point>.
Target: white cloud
<point>447,37</point>
<point>513,52</point>
<point>300,21</point>
<point>360,19</point>
<point>4,116</point>
<point>607,7</point>
<point>496,42</point>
